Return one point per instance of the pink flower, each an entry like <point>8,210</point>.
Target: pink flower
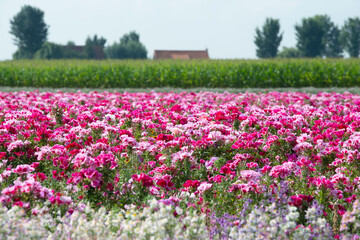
<point>242,156</point>
<point>17,144</point>
<point>204,186</point>
<point>12,190</point>
<point>252,165</point>
<point>351,198</point>
<point>176,131</point>
<point>302,146</point>
<point>265,169</point>
<point>92,174</point>
<point>215,135</point>
<point>280,172</point>
<point>23,169</point>
<point>243,187</point>
<point>60,199</point>
<point>218,178</point>
<point>250,175</point>
<point>337,194</point>
<point>284,170</point>
<point>210,163</point>
<point>154,191</point>
<point>152,164</point>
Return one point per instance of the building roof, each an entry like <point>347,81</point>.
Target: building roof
<point>177,54</point>
<point>98,50</point>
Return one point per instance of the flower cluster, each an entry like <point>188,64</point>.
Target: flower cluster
<point>156,221</point>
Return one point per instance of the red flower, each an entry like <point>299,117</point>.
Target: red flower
<point>226,170</point>
<point>164,137</point>
<point>146,180</point>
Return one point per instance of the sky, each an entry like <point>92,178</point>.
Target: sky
<point>226,28</point>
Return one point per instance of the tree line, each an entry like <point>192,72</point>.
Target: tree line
<point>30,36</point>
<point>316,36</point>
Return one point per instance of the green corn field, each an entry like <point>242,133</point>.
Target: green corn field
<point>277,73</point>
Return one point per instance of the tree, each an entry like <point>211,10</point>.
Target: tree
<point>49,51</point>
<point>289,52</point>
<point>333,48</point>
<point>132,36</point>
<point>22,54</point>
<point>310,35</point>
<point>96,41</point>
<point>318,36</point>
<point>350,36</point>
<point>70,43</point>
<point>129,47</point>
<point>91,42</point>
<point>29,30</point>
<point>268,40</point>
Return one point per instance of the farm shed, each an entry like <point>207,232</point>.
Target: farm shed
<point>178,54</point>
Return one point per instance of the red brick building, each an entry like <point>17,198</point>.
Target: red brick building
<point>177,54</point>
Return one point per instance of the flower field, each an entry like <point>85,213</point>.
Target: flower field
<point>179,165</point>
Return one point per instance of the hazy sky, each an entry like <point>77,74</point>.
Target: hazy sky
<point>225,27</point>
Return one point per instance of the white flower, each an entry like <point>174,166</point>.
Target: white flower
<point>176,131</point>
<point>179,210</point>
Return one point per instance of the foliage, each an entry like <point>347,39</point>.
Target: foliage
<point>23,54</point>
<point>49,51</point>
<point>129,47</point>
<point>91,42</point>
<point>289,52</point>
<point>96,41</point>
<point>333,47</point>
<point>318,36</point>
<point>309,38</point>
<point>29,30</point>
<point>350,34</point>
<point>70,43</point>
<point>182,74</point>
<point>268,39</point>
<point>70,53</point>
